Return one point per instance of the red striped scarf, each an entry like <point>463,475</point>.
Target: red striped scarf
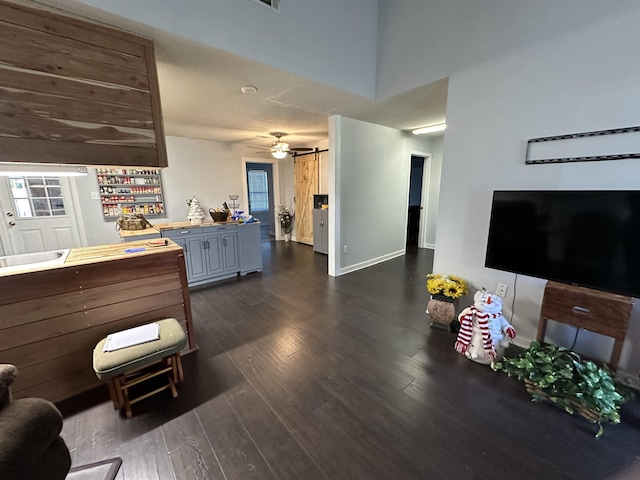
<point>466,329</point>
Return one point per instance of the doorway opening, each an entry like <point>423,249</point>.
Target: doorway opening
<point>261,196</point>
<point>415,200</point>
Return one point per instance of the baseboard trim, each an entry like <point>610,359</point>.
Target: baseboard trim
<point>369,263</point>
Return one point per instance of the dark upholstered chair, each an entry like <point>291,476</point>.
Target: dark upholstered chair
<point>31,447</point>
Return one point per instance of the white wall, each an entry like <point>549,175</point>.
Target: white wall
<point>369,168</point>
<point>580,79</point>
<point>98,231</point>
<point>331,41</point>
<point>207,169</point>
<point>420,41</point>
<point>434,190</point>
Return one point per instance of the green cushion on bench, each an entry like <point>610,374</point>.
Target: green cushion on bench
<point>109,364</point>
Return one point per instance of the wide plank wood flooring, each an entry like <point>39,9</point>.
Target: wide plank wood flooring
<point>303,376</point>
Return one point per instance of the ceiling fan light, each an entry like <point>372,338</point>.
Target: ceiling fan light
<point>279,154</point>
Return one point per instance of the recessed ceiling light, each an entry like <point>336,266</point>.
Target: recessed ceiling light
<point>248,89</point>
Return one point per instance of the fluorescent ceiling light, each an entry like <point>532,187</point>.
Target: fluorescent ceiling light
<point>20,169</point>
<point>430,129</point>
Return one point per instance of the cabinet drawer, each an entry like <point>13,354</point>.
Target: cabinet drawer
<point>181,233</point>
<point>220,228</point>
<point>600,312</point>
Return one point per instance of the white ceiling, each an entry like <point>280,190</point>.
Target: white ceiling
<point>201,97</point>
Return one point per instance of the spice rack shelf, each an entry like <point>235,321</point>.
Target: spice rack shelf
<point>130,190</point>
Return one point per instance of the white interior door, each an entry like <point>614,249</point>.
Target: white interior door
<point>38,214</point>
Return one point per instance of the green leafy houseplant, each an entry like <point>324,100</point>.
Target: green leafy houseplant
<point>558,375</point>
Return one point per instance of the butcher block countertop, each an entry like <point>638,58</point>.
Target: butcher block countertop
<point>138,233</point>
<point>161,227</point>
<point>179,225</point>
<point>81,256</point>
<point>97,254</point>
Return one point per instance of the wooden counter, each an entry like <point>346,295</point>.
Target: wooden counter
<point>52,317</point>
<point>129,235</point>
<point>178,225</point>
<point>158,228</point>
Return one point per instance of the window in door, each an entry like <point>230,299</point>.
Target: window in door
<point>37,196</point>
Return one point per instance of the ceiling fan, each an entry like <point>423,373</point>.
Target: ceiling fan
<point>280,149</point>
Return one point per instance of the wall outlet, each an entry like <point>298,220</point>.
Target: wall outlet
<point>95,196</point>
<point>501,290</point>
<point>345,249</point>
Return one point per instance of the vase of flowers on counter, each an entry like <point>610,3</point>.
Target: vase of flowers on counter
<point>444,290</point>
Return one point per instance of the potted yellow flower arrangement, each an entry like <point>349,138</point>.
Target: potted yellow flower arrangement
<point>444,289</point>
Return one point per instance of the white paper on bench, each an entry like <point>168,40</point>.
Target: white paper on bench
<point>132,336</point>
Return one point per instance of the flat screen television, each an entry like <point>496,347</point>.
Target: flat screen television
<point>586,238</point>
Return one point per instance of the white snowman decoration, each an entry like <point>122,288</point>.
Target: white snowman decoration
<point>483,329</point>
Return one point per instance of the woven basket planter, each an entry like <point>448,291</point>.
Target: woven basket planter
<point>441,309</point>
<point>591,415</point>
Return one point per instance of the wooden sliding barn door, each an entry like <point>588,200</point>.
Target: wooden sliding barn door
<point>306,179</point>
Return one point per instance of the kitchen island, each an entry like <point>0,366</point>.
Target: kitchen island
<point>52,316</point>
<point>213,250</point>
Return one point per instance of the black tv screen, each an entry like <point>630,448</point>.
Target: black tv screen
<point>586,238</point>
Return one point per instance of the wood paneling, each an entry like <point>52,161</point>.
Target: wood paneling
<point>51,320</point>
<point>13,102</point>
<point>68,27</point>
<point>78,93</point>
<point>43,52</point>
<point>32,311</point>
<point>72,89</point>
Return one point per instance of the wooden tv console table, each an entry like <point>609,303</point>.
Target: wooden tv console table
<point>601,312</point>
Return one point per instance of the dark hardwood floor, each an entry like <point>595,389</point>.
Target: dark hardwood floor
<point>301,375</point>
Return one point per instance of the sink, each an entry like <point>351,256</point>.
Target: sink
<point>36,259</point>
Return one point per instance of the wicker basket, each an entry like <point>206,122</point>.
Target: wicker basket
<point>132,221</point>
<point>219,216</point>
<point>589,414</point>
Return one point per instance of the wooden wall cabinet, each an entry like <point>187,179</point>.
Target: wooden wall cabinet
<point>601,312</point>
<point>76,92</point>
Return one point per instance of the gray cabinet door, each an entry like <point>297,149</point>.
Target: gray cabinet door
<point>229,248</point>
<point>250,252</point>
<point>211,252</point>
<point>214,261</point>
<point>195,256</point>
<point>320,231</point>
<point>191,242</point>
